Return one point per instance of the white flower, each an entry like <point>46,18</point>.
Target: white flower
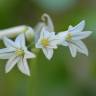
<point>17,53</point>
<point>14,31</point>
<point>46,22</point>
<point>72,38</point>
<point>47,42</point>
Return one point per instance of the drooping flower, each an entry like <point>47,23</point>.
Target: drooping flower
<point>46,23</point>
<point>17,53</point>
<point>14,31</point>
<point>73,39</point>
<point>47,42</point>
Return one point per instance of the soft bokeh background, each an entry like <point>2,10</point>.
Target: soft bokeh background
<point>63,75</point>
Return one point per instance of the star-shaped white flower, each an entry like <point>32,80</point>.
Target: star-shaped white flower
<point>17,53</point>
<point>73,39</point>
<point>47,42</point>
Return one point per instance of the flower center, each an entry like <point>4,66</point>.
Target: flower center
<point>45,42</point>
<point>19,52</point>
<point>69,36</point>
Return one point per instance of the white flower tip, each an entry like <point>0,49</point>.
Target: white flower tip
<point>49,58</point>
<point>48,54</point>
<point>90,32</point>
<point>47,22</point>
<point>33,56</point>
<point>44,16</point>
<point>27,74</point>
<point>74,56</point>
<point>6,70</point>
<point>70,26</point>
<point>29,32</point>
<point>29,55</point>
<point>86,53</point>
<point>78,28</point>
<point>82,23</point>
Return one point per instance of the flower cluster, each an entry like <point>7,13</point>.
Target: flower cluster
<point>41,37</point>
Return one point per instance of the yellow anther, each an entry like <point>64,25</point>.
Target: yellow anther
<point>19,52</point>
<point>69,37</point>
<point>45,42</point>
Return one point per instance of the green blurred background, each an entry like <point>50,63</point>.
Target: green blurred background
<point>63,75</point>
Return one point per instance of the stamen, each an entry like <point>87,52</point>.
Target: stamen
<point>45,42</point>
<point>69,36</point>
<point>19,52</point>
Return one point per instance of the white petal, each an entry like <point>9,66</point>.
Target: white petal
<point>48,52</point>
<point>81,47</point>
<point>29,33</point>
<point>6,53</point>
<point>9,43</point>
<point>37,30</point>
<point>29,55</point>
<point>64,43</point>
<point>23,67</point>
<point>49,25</point>
<point>61,37</point>
<point>12,32</point>
<point>53,42</point>
<point>72,50</point>
<point>78,28</point>
<point>20,41</point>
<point>6,50</point>
<point>11,63</point>
<point>38,45</point>
<point>44,33</point>
<point>51,35</point>
<point>38,27</point>
<point>81,35</point>
<point>53,38</point>
<point>70,27</point>
<point>52,45</point>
